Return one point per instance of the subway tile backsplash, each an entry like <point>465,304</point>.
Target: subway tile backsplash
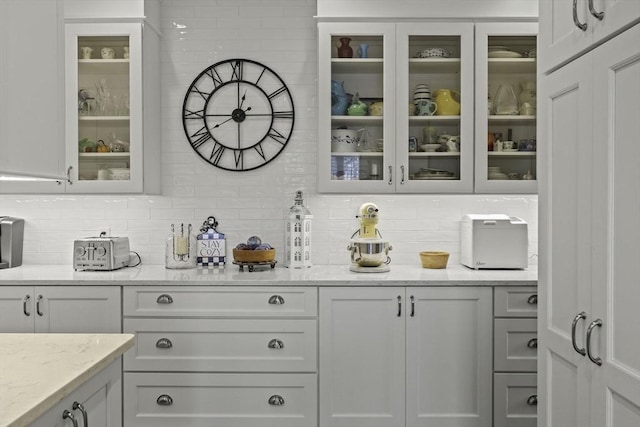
<point>196,36</point>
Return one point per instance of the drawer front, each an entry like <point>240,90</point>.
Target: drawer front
<point>222,345</point>
<point>515,345</point>
<point>220,301</point>
<point>515,301</point>
<point>221,400</point>
<point>515,398</point>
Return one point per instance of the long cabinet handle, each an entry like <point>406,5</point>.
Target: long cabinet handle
<point>399,306</point>
<point>85,417</point>
<point>592,325</point>
<point>402,175</point>
<point>68,415</point>
<point>390,175</point>
<point>413,306</point>
<point>40,313</point>
<point>164,343</point>
<point>594,12</point>
<point>574,324</point>
<point>25,300</point>
<point>276,300</point>
<point>576,22</point>
<point>164,400</point>
<point>164,299</point>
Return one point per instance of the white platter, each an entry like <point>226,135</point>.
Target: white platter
<point>504,54</point>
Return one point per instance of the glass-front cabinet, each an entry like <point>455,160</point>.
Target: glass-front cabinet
<point>104,107</point>
<point>396,107</point>
<point>506,142</point>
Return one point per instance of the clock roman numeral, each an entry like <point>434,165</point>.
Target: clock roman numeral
<point>277,92</point>
<point>260,151</point>
<point>277,136</point>
<point>283,114</point>
<point>216,153</point>
<point>201,136</point>
<point>204,95</point>
<point>236,70</point>
<point>213,73</point>
<point>239,157</point>
<point>194,114</point>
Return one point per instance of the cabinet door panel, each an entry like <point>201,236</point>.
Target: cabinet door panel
<point>362,350</point>
<point>16,309</point>
<point>449,357</point>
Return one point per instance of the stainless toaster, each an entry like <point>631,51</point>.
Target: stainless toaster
<point>101,253</point>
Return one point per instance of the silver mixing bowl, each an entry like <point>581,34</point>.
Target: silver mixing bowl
<point>369,253</point>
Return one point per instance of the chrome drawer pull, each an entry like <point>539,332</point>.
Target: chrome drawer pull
<point>276,400</point>
<point>576,22</point>
<point>596,360</point>
<point>24,305</point>
<point>533,400</point>
<point>164,400</point>
<point>275,343</point>
<point>276,299</point>
<point>85,417</point>
<point>164,299</point>
<point>164,343</point>
<point>533,343</point>
<point>66,414</point>
<point>533,299</point>
<point>594,12</point>
<point>581,315</point>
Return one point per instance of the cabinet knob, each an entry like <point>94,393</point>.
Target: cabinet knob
<point>276,299</point>
<point>533,299</point>
<point>77,406</point>
<point>164,299</point>
<point>276,400</point>
<point>533,400</point>
<point>275,343</point>
<point>68,415</point>
<point>164,400</point>
<point>533,343</point>
<point>164,343</point>
<point>25,301</point>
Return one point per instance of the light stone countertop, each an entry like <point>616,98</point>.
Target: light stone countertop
<point>39,370</point>
<point>319,275</point>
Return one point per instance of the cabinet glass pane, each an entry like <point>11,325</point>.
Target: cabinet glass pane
<point>103,108</point>
<point>434,107</point>
<point>511,108</point>
<point>357,151</point>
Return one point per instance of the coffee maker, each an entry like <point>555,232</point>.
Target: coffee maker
<point>11,237</point>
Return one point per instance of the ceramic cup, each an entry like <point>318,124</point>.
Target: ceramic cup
<point>108,53</point>
<point>526,109</point>
<point>426,107</point>
<point>508,145</point>
<point>86,52</point>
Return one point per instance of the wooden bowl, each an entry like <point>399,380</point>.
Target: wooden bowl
<point>434,259</point>
<point>242,255</point>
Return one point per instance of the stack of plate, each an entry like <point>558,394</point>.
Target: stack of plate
<point>496,173</point>
<point>434,52</point>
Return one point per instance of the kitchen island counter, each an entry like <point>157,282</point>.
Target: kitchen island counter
<point>39,370</point>
<point>319,275</point>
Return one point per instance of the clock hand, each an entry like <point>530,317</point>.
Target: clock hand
<point>242,99</point>
<point>221,123</point>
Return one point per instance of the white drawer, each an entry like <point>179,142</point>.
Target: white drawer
<point>222,345</point>
<point>220,301</point>
<point>515,400</point>
<point>515,345</point>
<point>515,301</point>
<point>221,400</point>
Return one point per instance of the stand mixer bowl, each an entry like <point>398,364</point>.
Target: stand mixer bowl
<point>369,252</point>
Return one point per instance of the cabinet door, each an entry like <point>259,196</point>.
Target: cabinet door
<point>77,309</point>
<point>565,241</point>
<point>357,145</point>
<point>104,107</point>
<point>506,108</point>
<point>16,309</point>
<point>449,347</point>
<point>434,111</point>
<point>362,351</point>
<point>616,209</point>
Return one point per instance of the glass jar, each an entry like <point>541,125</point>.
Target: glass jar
<point>180,251</point>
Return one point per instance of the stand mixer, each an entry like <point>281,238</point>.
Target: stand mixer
<point>369,253</point>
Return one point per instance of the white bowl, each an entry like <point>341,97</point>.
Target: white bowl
<point>429,147</point>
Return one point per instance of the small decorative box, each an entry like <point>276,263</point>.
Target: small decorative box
<point>211,248</point>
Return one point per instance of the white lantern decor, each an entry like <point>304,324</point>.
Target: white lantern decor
<point>298,235</point>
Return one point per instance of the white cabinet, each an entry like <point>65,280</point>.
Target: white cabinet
<point>590,363</point>
<point>382,159</point>
<point>235,356</point>
<point>96,403</point>
<point>60,309</point>
<point>570,27</point>
<point>31,91</point>
<point>405,356</point>
<point>503,67</point>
